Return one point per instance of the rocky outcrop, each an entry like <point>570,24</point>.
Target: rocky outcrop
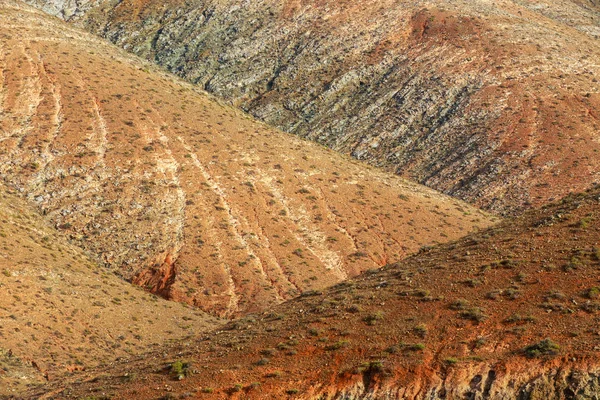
<point>490,102</point>
<point>551,380</point>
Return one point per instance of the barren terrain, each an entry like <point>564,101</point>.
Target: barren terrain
<point>494,102</point>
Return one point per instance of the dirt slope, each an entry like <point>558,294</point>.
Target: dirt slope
<point>60,311</point>
<point>511,312</point>
<point>495,102</point>
<point>188,198</point>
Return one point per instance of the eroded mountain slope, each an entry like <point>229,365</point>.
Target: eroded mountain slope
<point>509,313</point>
<point>188,198</point>
<point>60,311</point>
<point>495,102</point>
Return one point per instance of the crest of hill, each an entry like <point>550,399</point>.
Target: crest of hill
<point>510,312</point>
<point>60,311</point>
<point>186,197</point>
<point>494,102</point>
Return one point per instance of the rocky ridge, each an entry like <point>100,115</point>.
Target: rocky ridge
<point>492,102</point>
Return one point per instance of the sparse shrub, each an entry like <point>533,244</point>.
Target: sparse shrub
<point>593,293</point>
<point>416,347</point>
<point>263,361</point>
<point>513,318</point>
<point>479,342</point>
<point>493,295</point>
<point>544,348</point>
<point>392,349</point>
<point>282,346</point>
<point>236,388</point>
<point>508,264</point>
<point>512,293</point>
<point>353,308</point>
<point>555,295</point>
<point>420,330</point>
<point>298,252</point>
<point>596,253</point>
<point>268,352</point>
<point>472,282</point>
<point>573,264</point>
<point>451,361</point>
<point>292,391</point>
<point>179,369</point>
<point>590,307</point>
<point>521,277</point>
<point>372,319</point>
<point>459,304</point>
<point>473,313</point>
<point>313,332</point>
<point>337,345</point>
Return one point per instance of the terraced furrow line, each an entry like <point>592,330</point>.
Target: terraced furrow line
<point>169,167</point>
<point>3,86</point>
<point>55,122</point>
<point>27,99</point>
<point>334,219</point>
<point>264,238</point>
<point>372,233</point>
<point>214,186</point>
<point>311,237</point>
<point>281,295</point>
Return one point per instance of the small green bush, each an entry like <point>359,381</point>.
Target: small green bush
<point>179,369</point>
<point>593,293</point>
<point>544,348</point>
<point>372,319</point>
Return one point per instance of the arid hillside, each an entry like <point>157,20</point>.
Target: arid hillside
<point>60,311</point>
<point>494,102</point>
<point>508,313</point>
<point>188,198</point>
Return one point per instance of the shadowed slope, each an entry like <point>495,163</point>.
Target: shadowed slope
<point>511,312</point>
<point>188,198</point>
<point>495,102</point>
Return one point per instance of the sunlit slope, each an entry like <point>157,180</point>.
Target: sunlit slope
<point>508,313</point>
<point>494,102</point>
<point>60,311</point>
<point>186,197</point>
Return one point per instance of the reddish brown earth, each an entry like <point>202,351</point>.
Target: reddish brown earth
<point>197,202</point>
<point>450,322</point>
<point>184,196</point>
<point>494,102</point>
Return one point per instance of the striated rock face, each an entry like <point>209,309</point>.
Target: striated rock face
<point>493,102</point>
<point>184,196</point>
<point>561,380</point>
